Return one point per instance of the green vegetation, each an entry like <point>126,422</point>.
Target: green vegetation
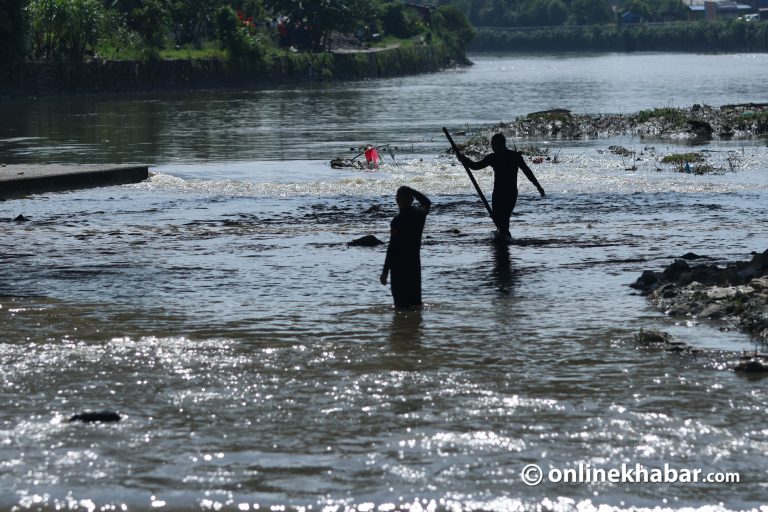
<point>755,121</point>
<point>248,33</point>
<point>690,36</point>
<point>65,29</point>
<point>453,27</point>
<point>693,163</point>
<point>674,116</point>
<point>681,158</point>
<point>540,13</point>
<point>562,116</point>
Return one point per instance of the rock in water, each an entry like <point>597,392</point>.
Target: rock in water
<point>365,241</point>
<point>93,417</point>
<point>653,337</point>
<point>21,218</point>
<point>751,366</point>
<point>672,272</point>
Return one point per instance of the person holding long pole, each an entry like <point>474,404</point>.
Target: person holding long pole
<point>505,163</point>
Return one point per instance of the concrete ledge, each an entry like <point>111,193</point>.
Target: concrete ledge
<point>20,180</point>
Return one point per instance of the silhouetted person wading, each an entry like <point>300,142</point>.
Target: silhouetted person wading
<point>505,163</point>
<point>403,253</point>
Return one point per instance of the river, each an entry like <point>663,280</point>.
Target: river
<point>258,362</point>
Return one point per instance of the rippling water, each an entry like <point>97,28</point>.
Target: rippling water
<point>258,361</point>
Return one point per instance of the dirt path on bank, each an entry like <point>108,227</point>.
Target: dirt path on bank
<point>367,50</point>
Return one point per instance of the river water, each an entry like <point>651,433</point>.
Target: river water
<point>259,364</point>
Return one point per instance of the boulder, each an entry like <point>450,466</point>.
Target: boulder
<point>653,337</point>
<point>751,366</point>
<point>647,281</point>
<point>713,311</point>
<point>365,241</point>
<point>673,272</point>
<point>700,128</point>
<point>96,417</point>
<point>719,293</point>
<point>759,284</point>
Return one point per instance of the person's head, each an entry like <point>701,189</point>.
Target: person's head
<point>498,142</point>
<point>404,197</point>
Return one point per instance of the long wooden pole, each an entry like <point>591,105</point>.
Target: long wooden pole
<point>471,177</point>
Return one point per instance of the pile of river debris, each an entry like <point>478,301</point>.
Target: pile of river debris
<point>736,294</point>
<point>701,122</point>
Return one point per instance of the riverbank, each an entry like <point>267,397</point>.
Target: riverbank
<point>36,79</point>
<point>684,36</point>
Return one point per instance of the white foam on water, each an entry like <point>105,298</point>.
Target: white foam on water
<point>578,170</point>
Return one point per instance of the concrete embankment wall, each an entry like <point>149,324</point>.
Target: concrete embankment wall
<point>61,78</point>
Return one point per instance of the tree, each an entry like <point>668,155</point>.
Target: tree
<point>557,12</point>
<point>13,31</point>
<point>545,12</point>
<point>638,7</point>
<point>64,29</point>
<point>590,12</point>
<point>398,21</point>
<point>193,21</point>
<point>325,16</point>
<point>453,26</point>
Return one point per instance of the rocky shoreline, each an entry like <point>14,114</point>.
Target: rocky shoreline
<point>698,122</point>
<point>736,294</point>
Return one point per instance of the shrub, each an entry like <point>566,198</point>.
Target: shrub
<point>675,116</point>
<point>151,19</point>
<point>681,158</point>
<point>119,42</point>
<point>244,48</point>
<point>452,26</point>
<point>65,29</point>
<point>399,21</point>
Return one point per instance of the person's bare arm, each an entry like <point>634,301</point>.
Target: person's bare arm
<point>529,174</point>
<point>388,259</point>
<point>475,166</point>
<point>422,199</point>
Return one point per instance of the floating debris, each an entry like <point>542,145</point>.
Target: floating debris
<point>346,163</point>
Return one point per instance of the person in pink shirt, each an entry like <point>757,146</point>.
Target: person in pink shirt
<point>371,157</point>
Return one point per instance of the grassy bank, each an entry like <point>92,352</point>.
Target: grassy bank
<point>702,36</point>
<point>217,70</point>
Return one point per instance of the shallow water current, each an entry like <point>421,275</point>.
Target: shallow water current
<point>259,364</point>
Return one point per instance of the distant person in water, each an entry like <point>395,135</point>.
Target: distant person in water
<point>403,253</point>
<point>371,157</point>
<point>505,163</point>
